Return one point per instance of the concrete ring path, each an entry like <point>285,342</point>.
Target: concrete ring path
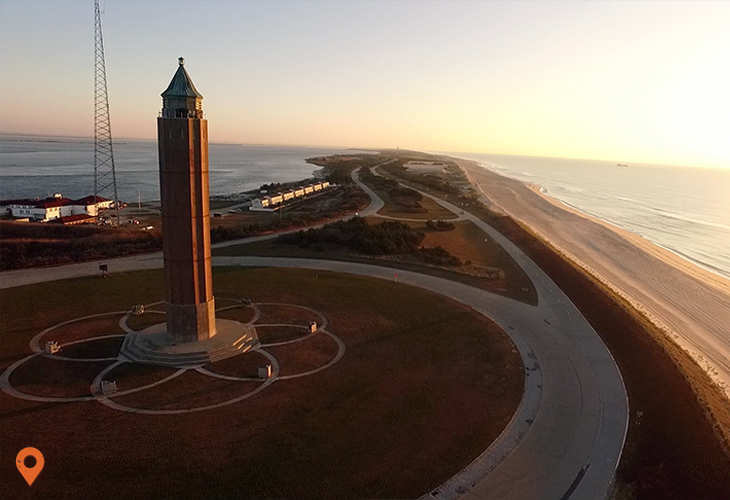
<point>569,449</point>
<point>97,393</point>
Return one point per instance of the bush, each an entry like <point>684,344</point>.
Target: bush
<point>386,238</point>
<point>29,245</point>
<point>440,225</point>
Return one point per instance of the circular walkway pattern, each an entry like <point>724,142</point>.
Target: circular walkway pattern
<point>95,390</point>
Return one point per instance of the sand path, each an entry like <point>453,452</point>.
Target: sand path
<point>692,305</point>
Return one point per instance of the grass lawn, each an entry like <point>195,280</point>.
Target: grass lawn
<point>223,204</point>
<point>242,218</point>
<point>412,401</point>
<point>450,197</point>
<point>467,242</point>
<point>431,209</point>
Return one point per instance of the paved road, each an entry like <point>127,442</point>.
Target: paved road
<point>566,437</point>
<point>574,443</point>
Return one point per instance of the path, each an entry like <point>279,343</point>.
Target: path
<point>566,438</point>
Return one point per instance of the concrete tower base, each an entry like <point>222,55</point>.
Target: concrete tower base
<point>192,322</point>
<point>156,346</point>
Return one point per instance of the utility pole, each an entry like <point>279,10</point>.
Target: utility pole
<point>105,177</point>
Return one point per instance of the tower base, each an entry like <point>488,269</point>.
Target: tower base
<point>156,346</point>
<point>192,322</point>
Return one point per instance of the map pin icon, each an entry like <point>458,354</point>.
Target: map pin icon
<point>30,473</point>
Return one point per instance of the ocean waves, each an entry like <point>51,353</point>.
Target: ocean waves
<point>684,210</point>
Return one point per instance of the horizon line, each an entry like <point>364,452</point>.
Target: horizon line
<point>715,167</point>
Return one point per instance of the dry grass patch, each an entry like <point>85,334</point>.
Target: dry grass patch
<point>405,374</point>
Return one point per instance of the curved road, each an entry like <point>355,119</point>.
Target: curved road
<point>566,437</point>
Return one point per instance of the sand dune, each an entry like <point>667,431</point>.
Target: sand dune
<point>689,303</point>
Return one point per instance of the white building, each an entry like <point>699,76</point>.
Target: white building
<point>266,203</point>
<point>55,207</point>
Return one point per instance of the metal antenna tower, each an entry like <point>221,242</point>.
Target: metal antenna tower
<point>105,177</point>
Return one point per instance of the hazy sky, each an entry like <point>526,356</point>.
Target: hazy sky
<point>624,81</point>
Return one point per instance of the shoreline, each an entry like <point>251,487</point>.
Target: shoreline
<point>543,191</point>
<point>688,303</point>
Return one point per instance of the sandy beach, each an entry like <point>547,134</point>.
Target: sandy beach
<point>689,303</point>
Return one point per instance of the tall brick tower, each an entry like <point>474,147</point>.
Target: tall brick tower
<point>182,134</point>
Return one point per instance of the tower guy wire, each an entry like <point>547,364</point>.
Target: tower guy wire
<point>105,177</point>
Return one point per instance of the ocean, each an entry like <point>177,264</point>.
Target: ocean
<point>685,210</point>
<point>41,166</point>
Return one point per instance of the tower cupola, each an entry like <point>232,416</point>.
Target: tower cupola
<point>181,99</point>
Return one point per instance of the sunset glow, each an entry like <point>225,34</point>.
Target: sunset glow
<point>622,81</point>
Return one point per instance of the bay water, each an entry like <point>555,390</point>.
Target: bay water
<point>33,167</point>
<point>683,209</point>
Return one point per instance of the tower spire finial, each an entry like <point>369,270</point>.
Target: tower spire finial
<point>181,99</point>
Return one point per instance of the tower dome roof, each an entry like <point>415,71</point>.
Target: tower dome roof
<point>181,84</point>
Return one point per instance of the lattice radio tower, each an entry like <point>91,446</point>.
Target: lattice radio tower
<point>105,178</point>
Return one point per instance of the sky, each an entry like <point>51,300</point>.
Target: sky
<point>614,80</point>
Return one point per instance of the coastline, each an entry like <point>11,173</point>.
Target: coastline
<point>691,305</point>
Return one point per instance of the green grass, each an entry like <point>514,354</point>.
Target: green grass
<point>431,209</point>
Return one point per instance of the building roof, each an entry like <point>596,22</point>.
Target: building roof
<point>73,219</point>
<point>181,84</point>
<point>53,202</point>
<point>90,200</point>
